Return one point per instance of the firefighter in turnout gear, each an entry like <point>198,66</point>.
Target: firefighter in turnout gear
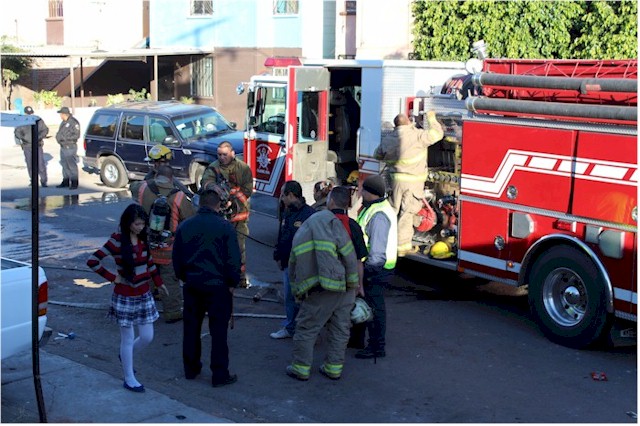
<point>324,274</point>
<point>232,175</point>
<point>146,193</point>
<point>159,155</point>
<point>405,153</point>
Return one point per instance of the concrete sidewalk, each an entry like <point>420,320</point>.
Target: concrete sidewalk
<point>74,393</point>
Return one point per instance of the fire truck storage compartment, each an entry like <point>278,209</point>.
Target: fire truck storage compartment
<point>344,119</point>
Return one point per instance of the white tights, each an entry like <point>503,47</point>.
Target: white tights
<point>130,344</point>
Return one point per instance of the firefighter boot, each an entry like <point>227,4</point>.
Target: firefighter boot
<point>64,184</point>
<point>73,184</point>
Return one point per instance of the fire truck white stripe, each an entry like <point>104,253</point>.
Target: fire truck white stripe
<point>580,168</point>
<point>491,262</point>
<point>609,171</point>
<point>494,185</point>
<point>543,163</point>
<point>603,171</point>
<point>634,176</point>
<point>625,295</point>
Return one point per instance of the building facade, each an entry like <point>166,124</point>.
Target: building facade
<point>208,46</point>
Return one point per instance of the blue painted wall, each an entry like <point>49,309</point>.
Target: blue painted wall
<point>235,23</point>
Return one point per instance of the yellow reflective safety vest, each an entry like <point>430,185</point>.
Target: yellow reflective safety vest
<point>391,253</point>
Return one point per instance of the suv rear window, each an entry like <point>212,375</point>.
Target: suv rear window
<point>102,125</point>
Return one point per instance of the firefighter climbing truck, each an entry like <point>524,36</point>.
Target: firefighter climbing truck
<point>534,184</point>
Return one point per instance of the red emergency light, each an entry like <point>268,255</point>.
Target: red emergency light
<point>281,61</point>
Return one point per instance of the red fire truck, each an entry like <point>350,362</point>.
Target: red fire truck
<point>535,183</point>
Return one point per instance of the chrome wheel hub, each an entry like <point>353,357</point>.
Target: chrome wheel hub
<point>111,173</point>
<point>565,297</point>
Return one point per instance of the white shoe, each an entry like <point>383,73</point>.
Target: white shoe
<point>281,334</point>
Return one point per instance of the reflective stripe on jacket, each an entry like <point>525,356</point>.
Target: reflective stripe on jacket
<point>405,151</point>
<point>322,255</point>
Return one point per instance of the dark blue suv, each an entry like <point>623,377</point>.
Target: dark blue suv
<point>119,137</point>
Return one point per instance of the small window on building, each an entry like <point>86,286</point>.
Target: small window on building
<point>55,9</point>
<point>285,7</point>
<point>201,7</point>
<point>202,77</point>
<point>350,7</point>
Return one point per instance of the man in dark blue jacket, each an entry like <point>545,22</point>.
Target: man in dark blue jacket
<point>206,257</point>
<point>294,211</point>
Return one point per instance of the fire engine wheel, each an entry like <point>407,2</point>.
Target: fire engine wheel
<point>567,297</point>
<point>113,173</point>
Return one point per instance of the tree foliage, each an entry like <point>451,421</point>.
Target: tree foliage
<point>12,66</point>
<point>445,30</point>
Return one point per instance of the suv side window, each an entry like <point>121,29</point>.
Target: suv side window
<point>132,127</point>
<point>102,125</point>
<point>159,129</point>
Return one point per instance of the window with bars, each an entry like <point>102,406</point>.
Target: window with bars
<point>201,7</point>
<point>202,77</point>
<point>350,7</point>
<point>285,7</point>
<point>55,9</point>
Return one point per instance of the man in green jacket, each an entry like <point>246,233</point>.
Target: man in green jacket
<point>324,274</point>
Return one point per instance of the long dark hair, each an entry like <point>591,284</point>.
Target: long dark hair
<point>129,215</point>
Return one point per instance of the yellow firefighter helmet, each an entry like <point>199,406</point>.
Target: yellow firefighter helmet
<point>352,179</point>
<point>160,153</point>
<point>440,250</point>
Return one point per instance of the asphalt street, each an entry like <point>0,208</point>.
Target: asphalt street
<point>459,351</point>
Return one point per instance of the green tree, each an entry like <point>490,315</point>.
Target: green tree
<point>445,30</point>
<point>12,67</point>
<point>609,30</point>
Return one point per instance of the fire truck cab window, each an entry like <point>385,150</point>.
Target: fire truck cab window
<point>309,114</point>
<point>269,110</point>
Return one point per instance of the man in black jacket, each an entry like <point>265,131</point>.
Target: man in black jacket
<point>67,136</point>
<point>294,211</point>
<point>23,135</point>
<point>208,262</point>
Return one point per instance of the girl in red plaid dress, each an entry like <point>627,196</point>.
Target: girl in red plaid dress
<point>131,302</point>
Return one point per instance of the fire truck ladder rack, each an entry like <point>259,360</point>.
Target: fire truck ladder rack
<point>572,68</point>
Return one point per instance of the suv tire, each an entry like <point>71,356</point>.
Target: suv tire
<point>113,173</point>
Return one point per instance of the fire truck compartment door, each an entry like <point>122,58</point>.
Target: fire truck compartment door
<point>310,163</point>
<point>307,109</point>
<point>311,79</point>
<point>371,102</point>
